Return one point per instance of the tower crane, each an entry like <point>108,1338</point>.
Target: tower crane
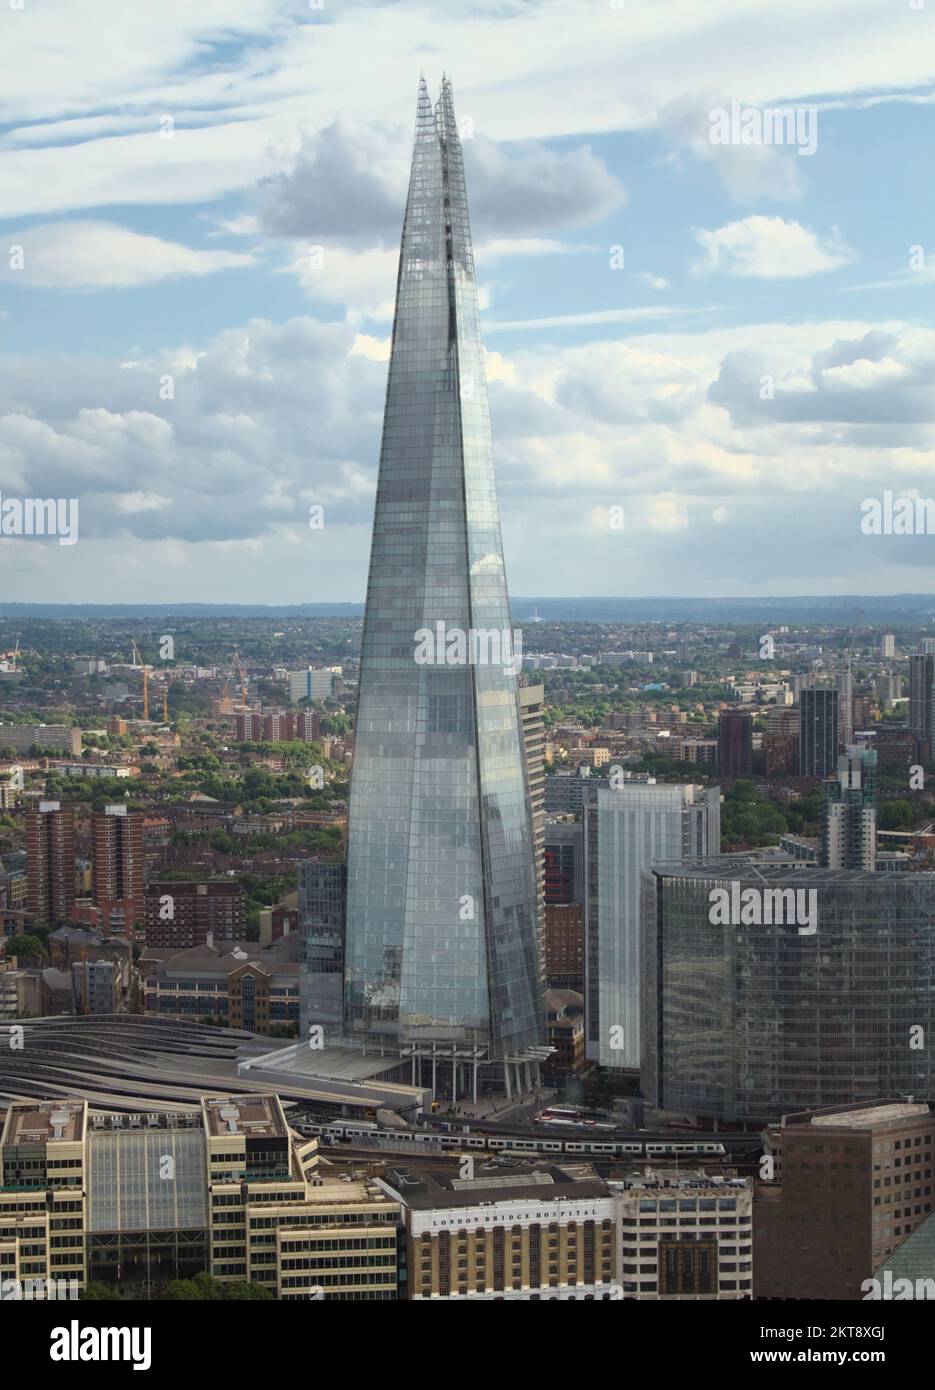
<point>139,661</point>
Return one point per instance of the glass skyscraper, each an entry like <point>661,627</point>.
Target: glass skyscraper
<point>442,940</point>
<point>749,1017</point>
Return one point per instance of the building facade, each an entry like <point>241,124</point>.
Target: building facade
<point>628,828</point>
<point>442,942</point>
<point>766,991</point>
<point>180,913</point>
<point>50,862</point>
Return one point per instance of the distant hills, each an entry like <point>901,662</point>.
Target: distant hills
<point>857,610</point>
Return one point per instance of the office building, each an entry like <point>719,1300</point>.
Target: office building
<point>685,1236</point>
<point>117,867</point>
<point>628,828</point>
<point>244,987</point>
<point>43,1193</point>
<point>322,924</point>
<point>179,913</point>
<point>849,1185</point>
<point>849,824</point>
<point>888,646</point>
<point>138,1200</point>
<point>735,744</point>
<point>766,991</point>
<point>50,862</point>
<point>818,732</point>
<point>565,792</point>
<point>443,946</point>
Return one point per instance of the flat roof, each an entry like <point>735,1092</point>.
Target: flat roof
<point>39,1122</point>
<point>873,1116</point>
<point>251,1116</point>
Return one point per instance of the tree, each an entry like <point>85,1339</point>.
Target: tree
<point>204,1287</point>
<point>25,945</point>
<point>101,1292</point>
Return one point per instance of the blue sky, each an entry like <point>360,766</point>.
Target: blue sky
<point>587,128</point>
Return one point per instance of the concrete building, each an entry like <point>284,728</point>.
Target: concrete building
<point>848,1186</point>
<point>22,737</point>
<point>314,684</point>
<point>685,1236</point>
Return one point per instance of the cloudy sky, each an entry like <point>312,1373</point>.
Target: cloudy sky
<point>732,342</point>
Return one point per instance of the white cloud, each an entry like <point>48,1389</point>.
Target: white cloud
<point>102,255</point>
<point>769,248</point>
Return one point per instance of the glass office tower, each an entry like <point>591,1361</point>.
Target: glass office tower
<point>442,942</point>
<point>748,1017</point>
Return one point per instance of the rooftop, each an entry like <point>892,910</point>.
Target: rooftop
<point>873,1116</point>
<point>38,1122</point>
<point>252,1116</point>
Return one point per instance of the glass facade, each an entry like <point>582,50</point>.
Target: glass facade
<point>322,894</point>
<point>752,1020</point>
<point>441,941</point>
<point>627,829</point>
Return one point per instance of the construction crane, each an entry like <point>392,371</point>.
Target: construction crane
<point>238,667</point>
<point>138,661</point>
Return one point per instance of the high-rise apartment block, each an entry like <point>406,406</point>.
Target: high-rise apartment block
<point>117,867</point>
<point>50,862</point>
<point>818,732</point>
<point>735,744</point>
<point>921,694</point>
<point>282,726</point>
<point>849,826</point>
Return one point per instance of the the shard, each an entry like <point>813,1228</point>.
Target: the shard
<point>442,946</point>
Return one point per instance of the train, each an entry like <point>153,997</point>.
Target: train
<point>428,1141</point>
